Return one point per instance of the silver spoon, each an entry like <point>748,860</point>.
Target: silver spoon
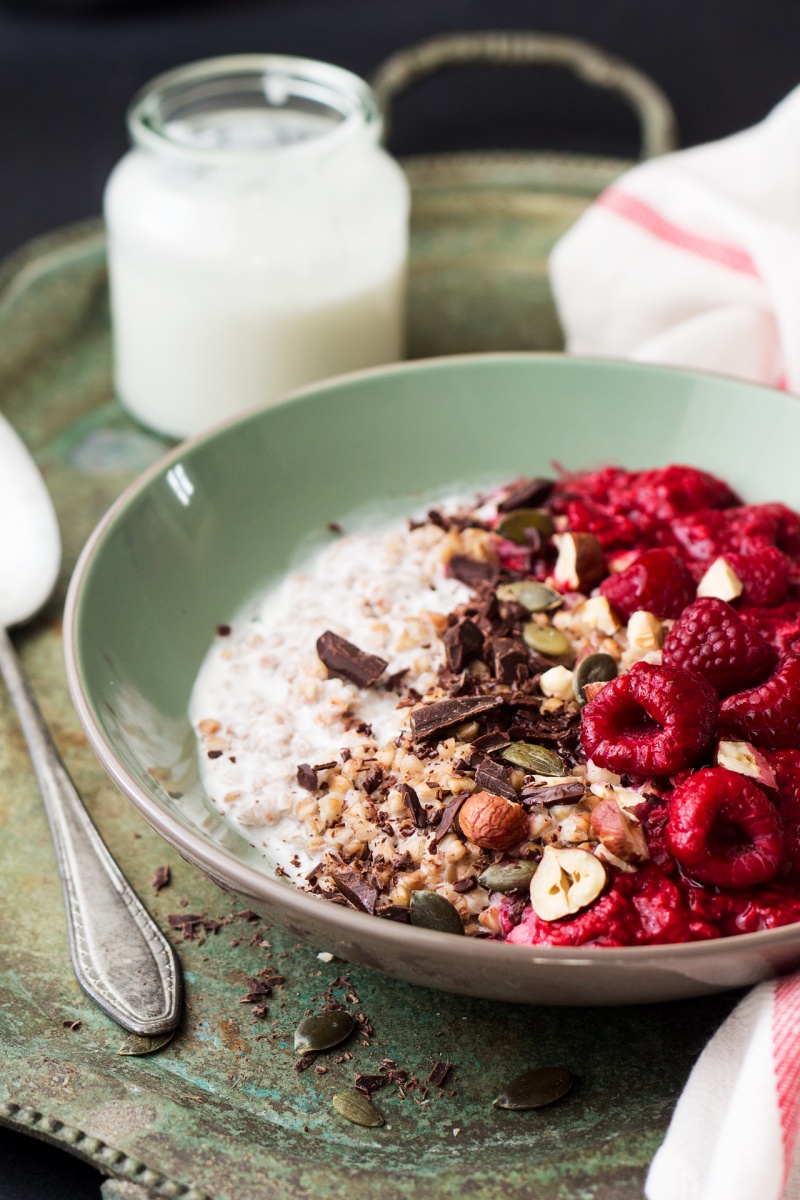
<point>119,954</point>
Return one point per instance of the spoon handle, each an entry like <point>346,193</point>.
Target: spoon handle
<point>119,954</point>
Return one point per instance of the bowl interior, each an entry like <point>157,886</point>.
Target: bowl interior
<point>208,527</point>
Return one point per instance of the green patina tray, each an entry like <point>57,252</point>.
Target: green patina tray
<point>220,1111</point>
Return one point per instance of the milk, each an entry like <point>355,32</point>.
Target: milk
<point>251,250</point>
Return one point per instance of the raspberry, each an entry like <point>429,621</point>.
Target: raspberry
<point>779,625</point>
<point>764,573</point>
<point>652,721</point>
<point>641,909</point>
<point>612,531</point>
<point>707,534</point>
<point>724,831</point>
<point>786,765</point>
<point>767,715</point>
<point>669,492</point>
<point>710,638</point>
<point>658,581</point>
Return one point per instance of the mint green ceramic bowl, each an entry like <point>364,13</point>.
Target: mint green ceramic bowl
<point>187,545</point>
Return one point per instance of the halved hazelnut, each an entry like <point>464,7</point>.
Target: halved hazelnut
<point>645,631</point>
<point>581,562</point>
<point>597,614</point>
<point>720,581</point>
<point>623,837</point>
<point>492,822</point>
<point>746,760</point>
<point>557,682</point>
<point>566,881</point>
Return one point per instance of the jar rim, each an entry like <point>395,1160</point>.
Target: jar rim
<point>342,93</point>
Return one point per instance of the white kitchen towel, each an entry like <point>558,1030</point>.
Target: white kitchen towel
<point>693,258</point>
<point>734,1132</point>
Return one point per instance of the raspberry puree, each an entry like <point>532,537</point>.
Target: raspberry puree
<point>723,840</point>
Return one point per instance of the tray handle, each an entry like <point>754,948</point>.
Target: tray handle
<point>522,49</point>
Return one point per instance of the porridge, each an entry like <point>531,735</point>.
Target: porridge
<point>565,713</point>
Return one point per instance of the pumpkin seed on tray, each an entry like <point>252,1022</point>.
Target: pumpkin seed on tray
<point>323,1030</point>
<point>534,1089</point>
<point>354,1106</point>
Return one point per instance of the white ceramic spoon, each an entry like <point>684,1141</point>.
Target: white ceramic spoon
<point>120,956</point>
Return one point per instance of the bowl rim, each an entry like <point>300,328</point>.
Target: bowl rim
<point>223,864</point>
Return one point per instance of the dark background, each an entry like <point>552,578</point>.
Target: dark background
<point>68,69</point>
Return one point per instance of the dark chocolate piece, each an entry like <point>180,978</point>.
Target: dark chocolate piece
<point>489,742</point>
<point>413,806</point>
<point>529,493</point>
<point>160,878</point>
<point>373,781</point>
<point>438,1075</point>
<point>434,718</point>
<point>559,793</point>
<point>509,655</point>
<point>307,777</point>
<point>491,777</point>
<point>356,889</point>
<point>464,885</point>
<point>449,815</point>
<point>462,643</point>
<point>394,912</point>
<point>470,571</point>
<point>343,658</point>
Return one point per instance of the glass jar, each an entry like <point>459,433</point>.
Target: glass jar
<point>257,238</point>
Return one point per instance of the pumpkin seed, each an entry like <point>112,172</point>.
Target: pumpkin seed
<point>595,668</point>
<point>429,910</point>
<point>535,1088</point>
<point>533,596</point>
<point>514,525</point>
<point>544,639</point>
<point>140,1044</point>
<point>536,759</point>
<point>323,1030</point>
<point>354,1106</point>
<point>510,877</point>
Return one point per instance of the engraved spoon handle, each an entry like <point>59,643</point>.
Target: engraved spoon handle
<point>119,954</point>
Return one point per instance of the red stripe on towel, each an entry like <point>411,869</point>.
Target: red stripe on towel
<point>641,214</point>
<point>786,1056</point>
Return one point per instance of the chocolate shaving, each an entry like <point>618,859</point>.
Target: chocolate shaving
<point>509,655</point>
<point>433,718</point>
<point>464,885</point>
<point>369,1084</point>
<point>449,814</point>
<point>559,793</point>
<point>462,643</point>
<point>343,658</point>
<point>307,777</point>
<point>470,571</point>
<point>492,777</point>
<point>325,766</point>
<point>413,806</point>
<point>528,493</point>
<point>73,1025</point>
<point>306,1061</point>
<point>160,878</point>
<point>394,912</point>
<point>356,889</point>
<point>439,1073</point>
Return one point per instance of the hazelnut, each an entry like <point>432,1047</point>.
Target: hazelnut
<point>720,581</point>
<point>581,562</point>
<point>492,822</point>
<point>557,682</point>
<point>746,760</point>
<point>621,836</point>
<point>565,882</point>
<point>645,631</point>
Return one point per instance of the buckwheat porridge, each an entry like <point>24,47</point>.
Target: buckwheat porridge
<point>567,712</point>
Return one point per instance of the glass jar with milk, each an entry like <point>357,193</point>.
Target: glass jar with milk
<point>257,238</point>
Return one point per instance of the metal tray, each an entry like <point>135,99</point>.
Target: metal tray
<point>221,1112</point>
